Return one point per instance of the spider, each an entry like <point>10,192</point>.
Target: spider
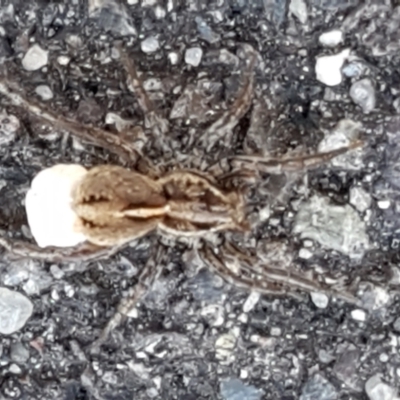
<point>202,196</point>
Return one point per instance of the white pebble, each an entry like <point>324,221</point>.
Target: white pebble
<point>383,204</point>
<point>305,254</point>
<point>328,68</point>
<point>44,92</point>
<point>378,390</point>
<point>320,300</point>
<point>48,206</point>
<point>193,56</point>
<point>359,315</point>
<point>35,58</point>
<point>150,45</point>
<point>173,57</point>
<point>63,60</point>
<point>331,38</point>
<point>251,301</point>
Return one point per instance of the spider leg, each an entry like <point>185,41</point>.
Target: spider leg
<point>147,276</point>
<point>85,252</point>
<point>283,276</point>
<point>154,122</point>
<point>127,150</point>
<point>217,265</point>
<point>289,164</point>
<point>262,278</point>
<point>221,130</point>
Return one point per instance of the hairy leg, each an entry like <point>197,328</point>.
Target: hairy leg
<point>221,130</point>
<point>85,252</point>
<point>117,145</point>
<point>289,164</point>
<point>253,275</point>
<point>154,123</point>
<point>147,276</point>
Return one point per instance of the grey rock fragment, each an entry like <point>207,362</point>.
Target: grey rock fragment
<point>342,135</point>
<point>193,56</point>
<point>235,389</point>
<point>346,368</point>
<point>35,58</point>
<point>336,227</point>
<point>354,69</point>
<point>396,325</point>
<point>44,92</point>
<point>363,94</point>
<point>378,390</point>
<point>205,32</point>
<point>112,17</point>
<point>150,45</point>
<point>15,309</point>
<point>318,387</point>
<point>299,9</point>
<point>9,126</point>
<point>19,353</point>
<point>360,199</point>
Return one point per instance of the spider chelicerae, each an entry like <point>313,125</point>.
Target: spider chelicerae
<point>197,192</point>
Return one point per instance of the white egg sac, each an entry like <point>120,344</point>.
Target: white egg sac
<point>48,204</point>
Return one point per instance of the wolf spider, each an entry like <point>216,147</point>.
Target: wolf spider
<point>118,204</point>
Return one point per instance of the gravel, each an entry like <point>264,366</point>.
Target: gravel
<point>193,336</point>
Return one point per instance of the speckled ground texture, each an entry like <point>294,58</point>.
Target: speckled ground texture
<point>193,336</point>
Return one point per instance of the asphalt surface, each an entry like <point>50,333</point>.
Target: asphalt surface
<point>193,336</point>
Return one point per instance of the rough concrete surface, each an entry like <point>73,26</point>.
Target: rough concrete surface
<point>194,336</point>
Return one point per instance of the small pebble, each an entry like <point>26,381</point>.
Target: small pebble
<point>275,331</point>
<point>318,388</point>
<point>396,325</point>
<point>305,254</point>
<point>15,309</point>
<point>331,38</point>
<point>251,301</point>
<point>362,93</point>
<point>328,68</point>
<point>383,204</point>
<point>19,353</point>
<point>44,92</point>
<point>383,357</point>
<point>378,390</point>
<point>15,369</point>
<point>360,199</point>
<point>35,58</point>
<point>299,9</point>
<point>193,56</point>
<point>320,300</point>
<point>63,60</point>
<point>224,346</point>
<point>9,126</point>
<point>150,45</point>
<point>354,69</point>
<point>235,389</point>
<point>359,315</point>
<point>173,57</point>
